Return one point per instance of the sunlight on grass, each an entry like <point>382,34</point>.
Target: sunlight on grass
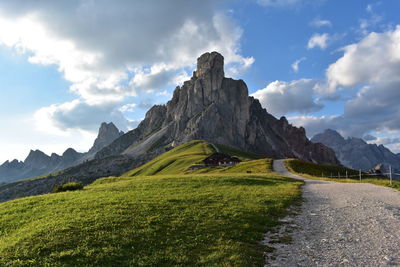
<point>208,220</point>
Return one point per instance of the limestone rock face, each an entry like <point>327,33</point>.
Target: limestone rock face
<point>219,110</point>
<point>355,153</point>
<point>108,132</point>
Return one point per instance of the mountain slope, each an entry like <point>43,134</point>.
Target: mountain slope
<point>219,110</point>
<point>38,163</point>
<point>355,153</point>
<point>179,159</point>
<point>173,220</point>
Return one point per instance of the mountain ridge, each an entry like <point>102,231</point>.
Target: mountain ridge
<point>38,163</point>
<point>355,153</point>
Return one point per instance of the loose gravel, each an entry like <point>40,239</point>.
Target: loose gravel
<point>339,224</point>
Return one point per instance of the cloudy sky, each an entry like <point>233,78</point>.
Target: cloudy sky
<point>68,65</point>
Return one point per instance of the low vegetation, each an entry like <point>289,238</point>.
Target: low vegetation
<point>324,172</point>
<point>72,186</point>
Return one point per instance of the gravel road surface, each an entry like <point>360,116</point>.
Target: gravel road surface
<point>339,224</point>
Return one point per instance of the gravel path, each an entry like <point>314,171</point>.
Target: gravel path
<point>339,224</point>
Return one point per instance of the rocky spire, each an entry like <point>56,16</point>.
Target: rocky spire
<point>108,132</point>
<point>210,63</point>
<point>219,110</point>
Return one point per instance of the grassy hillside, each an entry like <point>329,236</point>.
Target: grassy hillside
<point>212,220</point>
<point>251,166</point>
<point>175,161</point>
<point>321,171</point>
<point>318,170</point>
<point>179,159</point>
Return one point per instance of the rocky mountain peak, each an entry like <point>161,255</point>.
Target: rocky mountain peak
<point>329,136</point>
<point>108,132</point>
<point>355,153</point>
<point>217,109</point>
<point>210,63</point>
<point>37,158</point>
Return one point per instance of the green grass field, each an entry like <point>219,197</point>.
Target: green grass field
<point>179,159</point>
<point>323,172</point>
<point>211,219</point>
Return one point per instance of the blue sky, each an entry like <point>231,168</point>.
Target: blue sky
<point>66,66</point>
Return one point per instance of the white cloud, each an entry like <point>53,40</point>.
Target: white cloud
<point>77,114</point>
<point>128,108</point>
<point>281,98</point>
<point>110,52</point>
<point>295,65</point>
<point>374,59</point>
<point>318,40</point>
<point>317,22</point>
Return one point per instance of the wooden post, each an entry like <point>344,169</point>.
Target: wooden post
<point>338,174</point>
<point>346,175</point>
<point>360,174</point>
<point>390,171</point>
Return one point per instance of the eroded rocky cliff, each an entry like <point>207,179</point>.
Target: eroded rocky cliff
<point>217,109</point>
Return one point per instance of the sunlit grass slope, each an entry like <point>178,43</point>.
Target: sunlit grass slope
<point>251,166</point>
<point>179,159</point>
<point>175,161</point>
<point>209,220</point>
<point>321,171</point>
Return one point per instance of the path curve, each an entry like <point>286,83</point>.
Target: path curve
<point>340,224</point>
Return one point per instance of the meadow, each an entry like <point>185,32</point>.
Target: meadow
<point>210,219</point>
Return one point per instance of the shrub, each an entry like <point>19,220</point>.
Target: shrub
<point>72,186</point>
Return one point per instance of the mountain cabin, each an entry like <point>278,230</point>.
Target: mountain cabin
<point>220,159</point>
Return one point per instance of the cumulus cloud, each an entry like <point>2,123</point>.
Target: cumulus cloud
<point>374,59</point>
<point>80,115</point>
<point>281,98</point>
<point>295,65</point>
<point>318,40</point>
<point>110,52</point>
<point>317,22</point>
<point>371,67</point>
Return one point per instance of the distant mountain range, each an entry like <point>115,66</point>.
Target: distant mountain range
<point>207,107</point>
<point>38,163</point>
<point>357,154</point>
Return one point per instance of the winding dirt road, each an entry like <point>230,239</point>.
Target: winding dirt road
<point>339,224</point>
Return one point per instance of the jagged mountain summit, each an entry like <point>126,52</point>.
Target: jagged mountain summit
<point>219,110</point>
<point>108,132</point>
<point>355,153</point>
<point>38,163</point>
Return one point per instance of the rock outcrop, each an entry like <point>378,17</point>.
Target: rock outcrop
<point>38,163</point>
<point>219,110</point>
<point>357,154</point>
<point>108,132</point>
